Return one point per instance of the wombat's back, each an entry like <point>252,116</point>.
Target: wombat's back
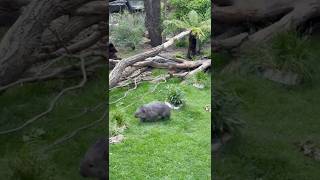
<point>156,110</point>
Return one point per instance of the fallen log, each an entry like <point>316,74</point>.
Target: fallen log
<point>116,73</point>
<point>260,19</point>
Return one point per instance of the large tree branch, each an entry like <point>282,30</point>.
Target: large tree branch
<point>116,73</point>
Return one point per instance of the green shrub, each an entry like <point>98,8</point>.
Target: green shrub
<point>130,29</point>
<point>286,51</point>
<point>183,7</point>
<point>182,43</point>
<point>175,96</point>
<point>201,77</point>
<point>179,55</point>
<point>118,118</point>
<point>225,111</point>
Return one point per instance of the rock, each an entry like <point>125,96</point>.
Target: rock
<point>116,139</point>
<point>286,78</point>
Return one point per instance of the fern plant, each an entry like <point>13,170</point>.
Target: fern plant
<point>175,96</point>
<point>200,27</point>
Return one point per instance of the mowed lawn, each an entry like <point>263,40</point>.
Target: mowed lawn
<point>174,149</point>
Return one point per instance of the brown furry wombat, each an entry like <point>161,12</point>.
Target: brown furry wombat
<point>153,112</point>
<point>95,164</point>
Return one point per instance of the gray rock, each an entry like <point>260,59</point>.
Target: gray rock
<point>287,78</point>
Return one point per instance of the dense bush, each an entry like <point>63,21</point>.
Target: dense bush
<point>286,51</point>
<point>183,7</point>
<point>200,26</point>
<point>128,30</point>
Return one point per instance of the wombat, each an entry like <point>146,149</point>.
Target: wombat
<point>112,51</point>
<point>95,164</point>
<point>153,112</point>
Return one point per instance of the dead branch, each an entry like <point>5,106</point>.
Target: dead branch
<point>53,102</point>
<point>75,132</point>
<point>116,73</point>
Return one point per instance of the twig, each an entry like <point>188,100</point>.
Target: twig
<point>126,93</point>
<point>85,111</point>
<point>53,102</point>
<point>75,132</point>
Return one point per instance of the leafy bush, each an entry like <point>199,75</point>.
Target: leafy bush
<point>119,118</point>
<point>286,51</point>
<point>199,26</point>
<point>201,77</point>
<point>224,110</point>
<point>182,43</point>
<point>129,30</point>
<point>183,7</point>
<point>174,96</point>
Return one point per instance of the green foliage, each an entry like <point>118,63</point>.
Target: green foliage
<point>183,7</point>
<point>129,31</point>
<point>119,118</point>
<point>179,55</point>
<point>199,26</point>
<point>201,77</point>
<point>286,51</point>
<point>175,95</point>
<point>224,109</point>
<point>182,43</point>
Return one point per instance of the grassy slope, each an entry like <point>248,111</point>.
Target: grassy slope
<point>276,117</point>
<point>21,103</point>
<point>175,149</point>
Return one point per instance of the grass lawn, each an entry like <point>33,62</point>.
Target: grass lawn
<point>276,118</point>
<point>174,149</point>
<point>19,104</point>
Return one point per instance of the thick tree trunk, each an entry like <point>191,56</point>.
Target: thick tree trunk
<point>153,21</point>
<point>20,45</point>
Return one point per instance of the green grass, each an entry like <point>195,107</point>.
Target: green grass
<point>23,102</point>
<point>174,149</point>
<point>276,117</point>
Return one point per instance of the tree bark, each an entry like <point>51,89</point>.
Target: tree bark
<point>116,73</point>
<point>18,48</point>
<point>258,20</point>
<point>153,21</point>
